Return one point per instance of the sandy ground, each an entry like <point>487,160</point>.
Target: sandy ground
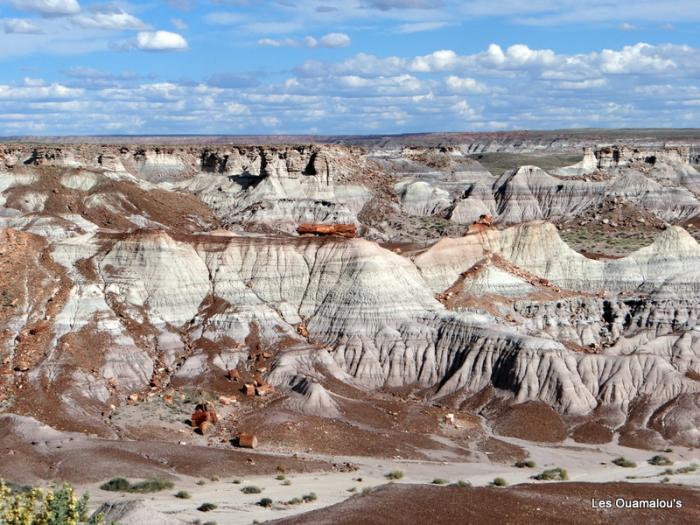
<point>584,463</point>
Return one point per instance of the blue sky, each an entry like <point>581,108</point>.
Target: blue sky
<point>349,67</point>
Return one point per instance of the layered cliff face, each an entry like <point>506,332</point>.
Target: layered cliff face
<point>135,270</point>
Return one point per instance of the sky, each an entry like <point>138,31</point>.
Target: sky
<point>80,67</point>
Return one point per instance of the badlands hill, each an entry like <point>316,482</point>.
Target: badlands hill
<point>543,304</point>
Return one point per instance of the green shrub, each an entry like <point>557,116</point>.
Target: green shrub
<point>286,482</point>
<point>308,498</point>
<point>201,482</point>
<point>683,470</point>
<point>526,464</point>
<point>142,487</point>
<point>54,506</point>
<point>352,489</point>
<point>280,477</point>
<point>265,502</point>
<point>215,478</point>
<point>236,482</point>
<point>440,481</point>
<point>183,494</point>
<point>624,462</point>
<point>659,461</point>
<point>499,482</point>
<point>295,501</point>
<point>251,489</point>
<point>462,484</point>
<point>555,474</point>
<point>395,474</point>
<point>116,485</point>
<point>206,507</point>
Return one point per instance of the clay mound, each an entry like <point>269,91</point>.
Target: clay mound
<point>531,421</point>
<point>555,504</point>
<point>135,512</point>
<point>592,432</point>
<point>313,399</point>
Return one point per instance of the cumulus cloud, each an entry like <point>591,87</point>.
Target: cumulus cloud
<point>49,7</point>
<point>21,26</point>
<point>335,40</point>
<point>32,89</point>
<point>160,41</point>
<point>464,84</point>
<point>499,87</point>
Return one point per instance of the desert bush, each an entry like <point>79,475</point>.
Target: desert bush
<point>286,482</point>
<point>206,507</point>
<point>251,489</point>
<point>555,474</point>
<point>142,487</point>
<point>462,484</point>
<point>280,477</point>
<point>659,461</point>
<point>295,501</point>
<point>395,474</point>
<point>624,462</point>
<point>682,470</point>
<point>265,502</point>
<point>55,506</point>
<point>499,482</point>
<point>308,498</point>
<point>440,481</point>
<point>526,464</point>
<point>183,494</point>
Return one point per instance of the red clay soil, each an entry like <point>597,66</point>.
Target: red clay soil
<point>532,421</point>
<point>592,432</point>
<point>283,429</point>
<point>552,504</point>
<point>78,459</point>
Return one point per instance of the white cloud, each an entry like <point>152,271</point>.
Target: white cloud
<point>419,27</point>
<point>463,109</point>
<point>21,26</point>
<point>284,42</point>
<point>498,87</point>
<point>237,109</point>
<point>270,122</point>
<point>117,20</point>
<point>37,90</point>
<point>160,41</point>
<point>442,60</point>
<point>639,58</point>
<point>464,84</point>
<point>583,84</point>
<point>331,40</point>
<point>49,7</point>
<point>335,40</point>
